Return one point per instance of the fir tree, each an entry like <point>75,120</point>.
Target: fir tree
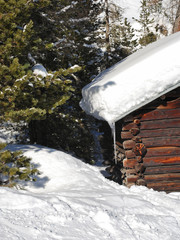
<point>70,40</point>
<point>146,23</point>
<point>23,94</point>
<point>14,168</point>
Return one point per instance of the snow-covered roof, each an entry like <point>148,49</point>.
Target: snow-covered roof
<point>135,81</point>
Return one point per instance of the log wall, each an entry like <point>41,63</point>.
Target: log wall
<point>151,140</point>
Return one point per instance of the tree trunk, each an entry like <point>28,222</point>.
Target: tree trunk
<point>107,31</point>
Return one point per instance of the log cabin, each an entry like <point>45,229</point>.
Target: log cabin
<point>151,142</point>
<point>140,96</point>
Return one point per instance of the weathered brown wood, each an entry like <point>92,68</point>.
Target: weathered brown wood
<point>156,114</point>
<point>171,100</point>
<point>132,179</point>
<point>161,114</point>
<point>129,144</point>
<point>137,122</point>
<point>160,161</point>
<point>165,151</point>
<point>134,131</point>
<point>156,127</point>
<point>128,126</point>
<point>119,144</point>
<point>129,163</point>
<point>164,105</point>
<point>120,149</point>
<point>131,172</point>
<point>162,169</point>
<point>160,132</point>
<point>139,167</point>
<point>158,151</point>
<point>153,161</point>
<point>153,124</point>
<point>152,133</point>
<point>137,139</point>
<point>126,135</point>
<point>130,154</point>
<point>162,177</point>
<point>165,186</point>
<point>161,141</point>
<point>141,182</point>
<point>161,124</point>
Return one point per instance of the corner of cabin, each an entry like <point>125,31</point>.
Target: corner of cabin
<point>142,96</point>
<point>150,138</point>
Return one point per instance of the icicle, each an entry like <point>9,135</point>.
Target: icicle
<point>113,129</point>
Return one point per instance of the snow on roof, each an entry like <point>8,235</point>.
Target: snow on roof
<point>135,81</point>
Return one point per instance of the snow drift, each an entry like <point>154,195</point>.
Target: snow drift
<point>71,200</point>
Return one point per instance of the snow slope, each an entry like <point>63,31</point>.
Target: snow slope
<point>73,201</point>
<point>134,82</point>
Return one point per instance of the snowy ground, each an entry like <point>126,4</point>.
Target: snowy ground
<point>72,200</point>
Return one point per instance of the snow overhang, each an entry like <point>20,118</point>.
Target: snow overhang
<point>132,83</point>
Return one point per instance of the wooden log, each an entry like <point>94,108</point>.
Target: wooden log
<point>169,186</point>
<point>126,135</point>
<point>137,139</point>
<point>157,114</point>
<point>128,126</point>
<point>161,141</point>
<point>131,179</point>
<point>158,133</point>
<point>162,169</point>
<point>161,114</point>
<point>160,161</point>
<point>139,151</point>
<point>134,131</point>
<point>162,177</point>
<point>141,182</point>
<point>119,144</point>
<point>137,122</point>
<point>129,144</point>
<point>153,152</point>
<point>160,124</point>
<point>173,104</point>
<point>162,151</point>
<point>120,149</point>
<point>129,163</point>
<point>152,133</point>
<point>130,154</point>
<point>129,118</point>
<point>154,124</point>
<point>139,167</point>
<point>131,172</point>
<point>153,161</point>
